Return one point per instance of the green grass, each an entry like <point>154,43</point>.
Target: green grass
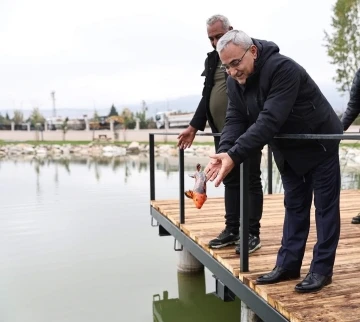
<point>355,145</point>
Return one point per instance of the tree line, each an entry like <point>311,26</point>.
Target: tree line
<point>126,118</point>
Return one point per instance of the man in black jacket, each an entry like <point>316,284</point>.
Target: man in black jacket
<point>280,97</point>
<point>212,108</point>
<point>351,113</point>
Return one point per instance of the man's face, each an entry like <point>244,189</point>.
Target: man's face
<point>239,62</point>
<point>215,32</point>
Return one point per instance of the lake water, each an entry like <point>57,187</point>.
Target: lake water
<point>77,244</point>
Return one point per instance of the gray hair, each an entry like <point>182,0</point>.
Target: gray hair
<point>215,18</point>
<point>237,37</point>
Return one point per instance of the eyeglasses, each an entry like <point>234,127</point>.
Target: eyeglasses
<point>234,63</point>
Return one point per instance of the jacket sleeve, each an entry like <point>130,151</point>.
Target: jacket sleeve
<point>199,119</point>
<point>353,107</point>
<point>236,121</point>
<point>284,88</point>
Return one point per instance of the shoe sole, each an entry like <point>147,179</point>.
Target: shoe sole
<point>223,245</point>
<point>252,250</point>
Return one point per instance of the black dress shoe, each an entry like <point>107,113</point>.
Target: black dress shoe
<point>356,220</point>
<point>278,274</point>
<point>313,282</point>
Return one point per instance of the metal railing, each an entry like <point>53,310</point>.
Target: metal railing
<point>244,181</point>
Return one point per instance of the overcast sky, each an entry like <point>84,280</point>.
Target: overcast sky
<point>93,54</point>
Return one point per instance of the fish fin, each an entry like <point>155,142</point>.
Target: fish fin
<point>192,175</point>
<point>189,194</point>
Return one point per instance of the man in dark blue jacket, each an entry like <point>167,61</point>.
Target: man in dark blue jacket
<point>351,113</point>
<point>280,97</point>
<point>212,108</point>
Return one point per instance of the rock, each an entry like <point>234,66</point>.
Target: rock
<point>28,150</point>
<point>115,151</point>
<point>133,148</point>
<point>202,151</point>
<point>55,150</point>
<point>144,148</point>
<point>84,151</point>
<point>189,151</point>
<point>119,151</point>
<point>65,150</point>
<point>75,149</point>
<point>40,151</point>
<point>108,149</point>
<point>173,152</point>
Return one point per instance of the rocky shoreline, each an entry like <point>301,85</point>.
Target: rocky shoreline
<point>348,155</point>
<point>93,149</point>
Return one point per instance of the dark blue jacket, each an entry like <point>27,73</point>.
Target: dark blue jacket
<point>279,97</point>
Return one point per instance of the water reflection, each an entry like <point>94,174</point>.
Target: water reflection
<point>67,230</point>
<point>165,164</point>
<point>193,303</point>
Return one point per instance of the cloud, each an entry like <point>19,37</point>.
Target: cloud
<point>112,51</point>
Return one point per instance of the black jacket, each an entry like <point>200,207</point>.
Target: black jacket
<point>279,97</point>
<point>202,113</point>
<point>353,107</point>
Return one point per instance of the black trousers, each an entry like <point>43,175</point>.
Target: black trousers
<point>324,181</point>
<point>232,195</point>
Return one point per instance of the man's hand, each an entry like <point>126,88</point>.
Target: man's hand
<point>212,169</point>
<point>222,164</point>
<point>186,137</point>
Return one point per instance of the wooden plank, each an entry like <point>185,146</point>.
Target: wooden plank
<point>339,301</point>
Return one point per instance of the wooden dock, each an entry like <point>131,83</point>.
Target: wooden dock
<point>339,301</point>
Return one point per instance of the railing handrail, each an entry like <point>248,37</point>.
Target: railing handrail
<point>244,177</point>
<point>302,136</point>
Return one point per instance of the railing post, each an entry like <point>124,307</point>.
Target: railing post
<point>269,158</point>
<point>152,165</point>
<point>182,186</point>
<point>244,216</point>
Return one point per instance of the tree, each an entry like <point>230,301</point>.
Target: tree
<point>18,117</point>
<point>129,121</point>
<point>94,124</point>
<point>7,117</point>
<point>36,117</point>
<point>142,115</point>
<point>96,117</point>
<point>64,127</point>
<point>2,119</point>
<point>343,45</point>
<point>150,123</point>
<point>113,111</point>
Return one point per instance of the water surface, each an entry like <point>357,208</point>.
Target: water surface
<point>77,244</point>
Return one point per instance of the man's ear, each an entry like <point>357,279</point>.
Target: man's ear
<point>254,51</point>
